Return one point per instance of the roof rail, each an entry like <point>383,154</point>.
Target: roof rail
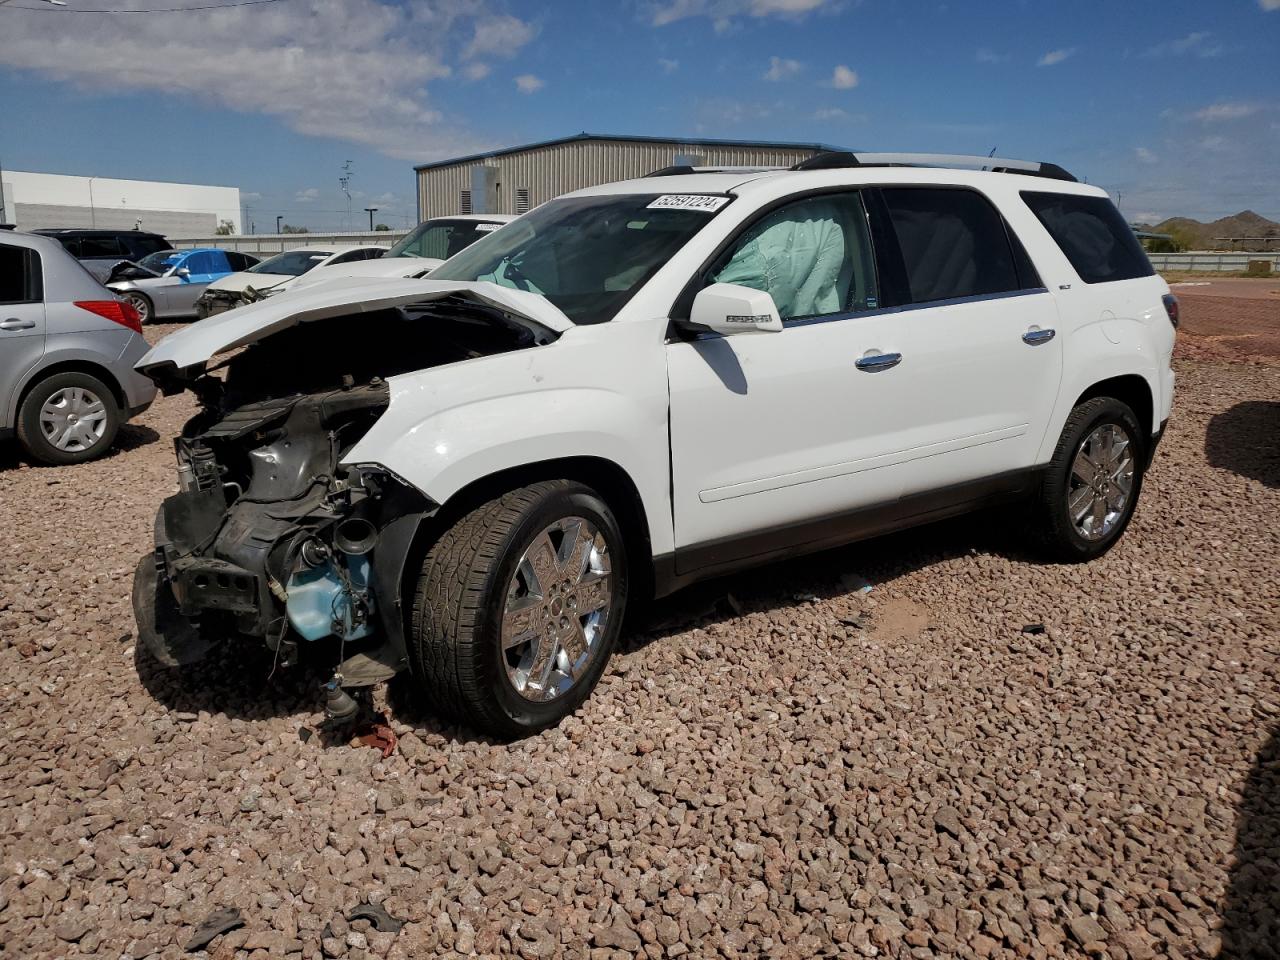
<point>841,159</point>
<point>680,170</point>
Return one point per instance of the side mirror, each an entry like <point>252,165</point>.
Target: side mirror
<point>729,309</point>
<point>182,272</point>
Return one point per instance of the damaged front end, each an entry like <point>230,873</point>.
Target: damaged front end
<point>271,536</point>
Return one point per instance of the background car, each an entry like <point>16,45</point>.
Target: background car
<point>67,350</point>
<point>100,250</point>
<point>278,274</point>
<point>166,284</point>
<point>420,251</point>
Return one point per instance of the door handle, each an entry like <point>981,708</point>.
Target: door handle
<point>878,361</point>
<point>13,323</point>
<point>1035,336</point>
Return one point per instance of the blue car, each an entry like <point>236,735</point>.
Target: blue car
<point>167,283</point>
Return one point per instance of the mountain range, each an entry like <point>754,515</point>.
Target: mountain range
<point>1194,235</point>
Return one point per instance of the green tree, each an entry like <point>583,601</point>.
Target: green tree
<point>382,227</point>
<point>290,228</point>
<point>225,228</point>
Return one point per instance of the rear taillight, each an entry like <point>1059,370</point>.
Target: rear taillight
<point>116,311</point>
<point>1171,308</point>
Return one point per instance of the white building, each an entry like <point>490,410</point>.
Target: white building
<point>35,200</point>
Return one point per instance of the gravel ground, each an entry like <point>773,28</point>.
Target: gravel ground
<point>776,764</point>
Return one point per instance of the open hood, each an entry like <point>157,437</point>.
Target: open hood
<point>259,281</point>
<point>381,267</point>
<point>201,341</point>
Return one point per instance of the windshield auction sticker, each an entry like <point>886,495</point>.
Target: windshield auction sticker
<point>688,201</point>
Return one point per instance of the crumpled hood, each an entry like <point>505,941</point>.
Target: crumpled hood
<point>199,342</point>
<point>382,267</point>
<point>259,281</point>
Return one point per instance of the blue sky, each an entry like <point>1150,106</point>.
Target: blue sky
<point>1172,105</point>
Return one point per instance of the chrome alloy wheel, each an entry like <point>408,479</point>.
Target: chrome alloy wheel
<point>1101,481</point>
<point>73,419</point>
<point>557,607</point>
<point>141,304</point>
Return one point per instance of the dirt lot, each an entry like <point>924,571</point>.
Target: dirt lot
<point>777,764</point>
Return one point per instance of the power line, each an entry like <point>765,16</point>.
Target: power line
<point>6,5</point>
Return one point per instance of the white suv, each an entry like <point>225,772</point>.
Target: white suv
<point>639,385</point>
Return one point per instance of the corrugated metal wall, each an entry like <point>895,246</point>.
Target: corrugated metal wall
<point>547,172</point>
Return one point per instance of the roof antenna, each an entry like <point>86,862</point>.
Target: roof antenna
<point>993,151</point>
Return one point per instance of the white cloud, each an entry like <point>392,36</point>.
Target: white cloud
<point>668,66</point>
<point>986,55</point>
<point>248,196</point>
<point>721,12</point>
<point>502,36</point>
<point>1226,111</point>
<point>780,68</point>
<point>1269,4</point>
<point>1145,155</point>
<point>837,115</point>
<point>475,70</point>
<point>1197,44</point>
<point>387,197</point>
<point>1055,57</point>
<point>528,83</point>
<point>309,195</point>
<point>842,78</point>
<point>359,71</point>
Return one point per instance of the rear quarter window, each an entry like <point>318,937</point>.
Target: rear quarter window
<point>20,275</point>
<point>1093,236</point>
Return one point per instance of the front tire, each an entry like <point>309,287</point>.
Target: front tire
<point>518,608</point>
<point>1091,485</point>
<point>68,418</point>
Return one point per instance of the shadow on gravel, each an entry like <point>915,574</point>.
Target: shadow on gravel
<point>1246,441</point>
<point>831,573</point>
<point>1251,913</point>
<point>131,437</point>
<point>235,681</point>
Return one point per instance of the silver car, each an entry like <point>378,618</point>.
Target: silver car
<point>168,283</point>
<point>67,350</point>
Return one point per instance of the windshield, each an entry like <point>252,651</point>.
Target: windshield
<point>292,264</point>
<point>160,262</point>
<point>587,255</point>
<point>441,239</point>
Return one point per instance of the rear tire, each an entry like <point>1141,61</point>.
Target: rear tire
<point>142,303</point>
<point>518,608</point>
<point>1092,484</point>
<point>68,418</point>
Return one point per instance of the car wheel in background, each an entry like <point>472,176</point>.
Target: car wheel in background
<point>1091,485</point>
<point>518,608</point>
<point>68,418</point>
<point>142,303</point>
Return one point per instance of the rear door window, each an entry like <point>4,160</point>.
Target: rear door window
<point>91,247</point>
<point>19,275</point>
<point>954,244</point>
<point>1092,235</point>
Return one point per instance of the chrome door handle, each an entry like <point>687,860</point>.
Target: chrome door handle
<point>878,361</point>
<point>1038,336</point>
<point>13,323</point>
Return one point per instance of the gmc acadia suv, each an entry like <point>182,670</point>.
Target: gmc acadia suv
<point>639,385</point>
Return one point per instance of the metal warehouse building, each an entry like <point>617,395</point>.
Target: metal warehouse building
<point>515,179</point>
<point>35,200</point>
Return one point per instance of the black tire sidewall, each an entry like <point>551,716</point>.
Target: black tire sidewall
<point>525,715</point>
<point>1062,532</point>
<point>32,437</point>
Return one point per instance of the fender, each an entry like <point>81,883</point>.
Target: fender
<point>85,348</point>
<point>586,395</point>
<point>1097,351</point>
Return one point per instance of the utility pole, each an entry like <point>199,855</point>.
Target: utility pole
<point>279,217</point>
<point>93,209</point>
<point>3,218</point>
<point>344,181</point>
<point>371,211</point>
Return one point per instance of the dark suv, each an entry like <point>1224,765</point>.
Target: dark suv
<point>100,250</point>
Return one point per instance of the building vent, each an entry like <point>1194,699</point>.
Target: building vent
<point>522,200</point>
<point>465,204</point>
